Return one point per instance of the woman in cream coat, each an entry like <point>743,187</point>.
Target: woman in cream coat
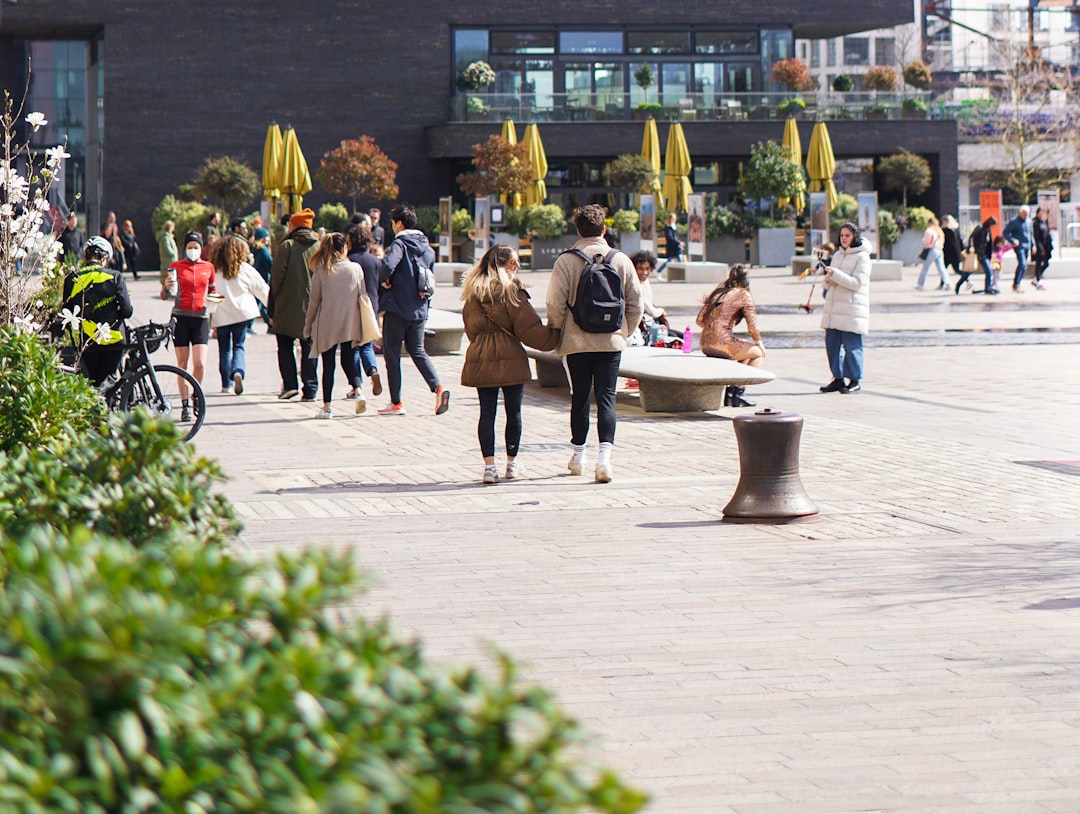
<point>846,319</point>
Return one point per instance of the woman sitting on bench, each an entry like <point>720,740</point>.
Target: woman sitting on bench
<point>725,307</point>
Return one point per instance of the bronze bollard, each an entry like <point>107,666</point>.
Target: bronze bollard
<point>769,489</point>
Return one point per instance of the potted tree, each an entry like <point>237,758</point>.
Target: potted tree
<point>913,108</point>
<point>645,77</point>
<point>795,76</point>
<point>731,236</point>
<point>357,169</point>
<point>625,224</point>
<point>879,79</point>
<point>629,173</point>
<point>772,175</point>
<point>477,77</point>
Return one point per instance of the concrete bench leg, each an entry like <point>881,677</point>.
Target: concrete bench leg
<point>443,342</point>
<point>673,397</point>
<point>551,374</point>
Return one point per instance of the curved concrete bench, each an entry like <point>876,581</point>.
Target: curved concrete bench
<point>669,381</point>
<point>444,331</point>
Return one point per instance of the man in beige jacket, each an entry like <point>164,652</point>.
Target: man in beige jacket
<point>592,359</point>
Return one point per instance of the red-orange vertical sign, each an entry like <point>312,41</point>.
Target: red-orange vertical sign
<point>990,207</point>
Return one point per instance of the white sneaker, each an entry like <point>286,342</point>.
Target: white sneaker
<point>491,474</point>
<point>513,470</point>
<point>226,389</point>
<point>238,382</point>
<point>324,412</point>
<point>576,467</point>
<point>602,473</point>
<point>361,403</point>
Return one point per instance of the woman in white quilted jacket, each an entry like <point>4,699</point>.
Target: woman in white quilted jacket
<point>846,318</point>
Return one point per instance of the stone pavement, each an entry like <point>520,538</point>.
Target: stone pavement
<point>915,649</point>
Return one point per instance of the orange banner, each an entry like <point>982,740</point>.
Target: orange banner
<point>990,207</point>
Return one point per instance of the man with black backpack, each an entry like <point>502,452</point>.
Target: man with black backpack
<point>595,299</point>
<point>406,285</point>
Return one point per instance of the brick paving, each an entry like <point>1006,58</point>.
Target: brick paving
<point>913,649</point>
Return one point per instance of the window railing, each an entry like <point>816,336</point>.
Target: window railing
<point>674,106</point>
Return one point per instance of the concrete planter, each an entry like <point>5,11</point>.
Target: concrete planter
<point>506,239</point>
<point>546,251</point>
<point>907,248</point>
<point>776,247</point>
<point>630,242</point>
<point>731,250</point>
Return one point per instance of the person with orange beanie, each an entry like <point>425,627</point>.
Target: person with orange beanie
<point>290,291</point>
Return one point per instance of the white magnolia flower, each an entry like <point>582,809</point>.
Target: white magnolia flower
<point>26,324</point>
<point>55,155</point>
<point>36,120</point>
<point>103,333</point>
<point>71,318</point>
<point>17,187</point>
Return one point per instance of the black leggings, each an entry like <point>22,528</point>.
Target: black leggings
<point>489,406</point>
<point>348,364</point>
<point>597,374</point>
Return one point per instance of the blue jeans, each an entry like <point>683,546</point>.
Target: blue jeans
<point>397,329</point>
<point>1021,264</point>
<point>850,366</point>
<point>230,342</point>
<point>364,359</point>
<point>934,257</point>
<point>989,272</point>
<point>594,373</point>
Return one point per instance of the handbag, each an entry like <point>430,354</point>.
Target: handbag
<point>369,320</point>
<point>923,253</point>
<point>970,262</point>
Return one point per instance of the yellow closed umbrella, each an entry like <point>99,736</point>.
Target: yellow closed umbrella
<point>821,164</point>
<point>509,133</point>
<point>536,192</point>
<point>295,178</point>
<point>272,163</point>
<point>792,147</point>
<point>650,151</point>
<point>677,167</point>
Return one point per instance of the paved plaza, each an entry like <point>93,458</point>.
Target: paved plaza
<point>916,648</point>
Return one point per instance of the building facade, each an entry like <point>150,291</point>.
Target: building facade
<point>163,88</point>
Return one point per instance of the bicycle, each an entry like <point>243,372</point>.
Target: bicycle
<point>139,383</point>
<point>142,384</point>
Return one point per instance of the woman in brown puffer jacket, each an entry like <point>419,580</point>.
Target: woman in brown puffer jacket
<point>498,319</point>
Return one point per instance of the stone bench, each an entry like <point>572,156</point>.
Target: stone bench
<point>448,328</point>
<point>669,381</point>
<point>451,273</point>
<point>678,271</point>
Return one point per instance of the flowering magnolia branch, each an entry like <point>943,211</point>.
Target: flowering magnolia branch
<point>29,245</point>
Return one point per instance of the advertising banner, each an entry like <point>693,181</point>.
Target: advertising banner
<point>647,222</point>
<point>695,233</point>
<point>481,226</point>
<point>990,207</point>
<point>868,220</point>
<point>445,238</point>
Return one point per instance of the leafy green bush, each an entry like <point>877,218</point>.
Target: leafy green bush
<point>649,107</point>
<point>914,105</point>
<point>847,207</point>
<point>461,222</point>
<point>625,221</point>
<point>629,173</point>
<point>917,74</point>
<point>888,230</point>
<point>427,220</point>
<point>790,107</point>
<point>41,407</point>
<point>547,222</point>
<point>919,217</point>
<point>332,217</point>
<point>517,222</point>
<point>842,83</point>
<point>145,668</point>
<point>189,216</point>
<point>722,220</point>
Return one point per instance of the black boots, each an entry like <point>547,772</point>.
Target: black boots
<point>733,397</point>
<point>852,386</point>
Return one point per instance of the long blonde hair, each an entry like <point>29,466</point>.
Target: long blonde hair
<point>489,281</point>
<point>332,248</point>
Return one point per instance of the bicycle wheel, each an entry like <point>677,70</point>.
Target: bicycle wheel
<point>159,392</point>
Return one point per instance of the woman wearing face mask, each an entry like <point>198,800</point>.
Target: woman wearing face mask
<point>189,280</point>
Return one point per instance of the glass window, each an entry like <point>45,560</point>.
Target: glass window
<point>591,42</point>
<point>740,77</point>
<point>709,82</point>
<point>538,85</point>
<point>726,42</point>
<point>658,42</point>
<point>609,86</point>
<point>777,44</point>
<point>469,46</point>
<point>522,42</point>
<point>830,53</point>
<point>675,83</point>
<point>815,54</point>
<point>856,50</point>
<point>884,51</point>
<point>577,81</point>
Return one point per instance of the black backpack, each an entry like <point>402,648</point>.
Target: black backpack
<point>600,305</point>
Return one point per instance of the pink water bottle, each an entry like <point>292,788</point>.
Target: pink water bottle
<point>687,340</point>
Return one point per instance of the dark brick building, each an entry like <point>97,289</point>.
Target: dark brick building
<point>166,85</point>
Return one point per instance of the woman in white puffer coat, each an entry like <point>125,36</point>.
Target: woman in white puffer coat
<point>846,319</point>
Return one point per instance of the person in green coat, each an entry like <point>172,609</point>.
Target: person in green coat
<point>167,248</point>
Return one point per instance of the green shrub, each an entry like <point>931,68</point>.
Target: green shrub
<point>842,83</point>
<point>189,216</point>
<point>919,217</point>
<point>888,230</point>
<point>914,105</point>
<point>41,407</point>
<point>517,222</point>
<point>790,107</point>
<point>547,221</point>
<point>427,220</point>
<point>461,222</point>
<point>722,220</point>
<point>917,74</point>
<point>625,221</point>
<point>649,107</point>
<point>847,207</point>
<point>332,217</point>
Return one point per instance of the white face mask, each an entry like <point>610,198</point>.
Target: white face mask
<point>193,254</point>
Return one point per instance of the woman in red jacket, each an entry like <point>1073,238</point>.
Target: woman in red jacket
<point>189,280</point>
